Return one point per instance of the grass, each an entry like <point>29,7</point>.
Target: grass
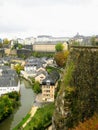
<point>42,118</point>
<point>22,122</point>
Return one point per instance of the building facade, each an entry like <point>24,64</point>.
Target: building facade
<point>8,80</point>
<point>49,85</point>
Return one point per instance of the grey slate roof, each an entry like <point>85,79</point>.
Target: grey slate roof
<point>8,81</point>
<point>38,62</point>
<point>41,72</point>
<point>51,78</point>
<point>8,78</point>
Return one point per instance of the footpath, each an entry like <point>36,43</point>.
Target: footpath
<point>32,112</point>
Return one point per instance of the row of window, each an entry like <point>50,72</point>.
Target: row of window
<point>7,89</point>
<point>47,86</point>
<point>47,91</point>
<point>48,95</point>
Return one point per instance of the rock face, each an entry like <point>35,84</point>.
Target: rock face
<point>77,98</point>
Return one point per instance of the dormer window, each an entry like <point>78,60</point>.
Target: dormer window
<point>48,82</point>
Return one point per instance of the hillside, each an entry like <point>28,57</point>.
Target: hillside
<point>77,99</point>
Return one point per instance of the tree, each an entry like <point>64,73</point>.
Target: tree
<point>17,45</point>
<point>61,58</point>
<point>59,47</point>
<point>94,41</point>
<point>18,68</point>
<point>75,43</point>
<point>7,104</point>
<point>6,41</point>
<point>36,87</point>
<point>1,45</point>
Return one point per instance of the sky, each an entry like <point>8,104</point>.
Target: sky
<point>63,18</point>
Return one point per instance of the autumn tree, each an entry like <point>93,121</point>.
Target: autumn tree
<point>59,47</point>
<point>61,58</point>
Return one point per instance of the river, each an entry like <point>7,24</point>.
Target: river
<point>27,100</point>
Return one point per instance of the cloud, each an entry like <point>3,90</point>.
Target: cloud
<point>45,2</point>
<point>12,28</point>
<point>58,17</point>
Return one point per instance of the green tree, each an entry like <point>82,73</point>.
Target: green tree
<point>7,104</point>
<point>36,87</point>
<point>18,68</point>
<point>94,41</point>
<point>6,41</point>
<point>75,43</point>
<point>17,45</point>
<point>59,47</point>
<point>1,45</point>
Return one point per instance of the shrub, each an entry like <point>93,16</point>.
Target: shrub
<point>91,124</point>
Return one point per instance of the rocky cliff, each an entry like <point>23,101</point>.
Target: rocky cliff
<point>77,98</point>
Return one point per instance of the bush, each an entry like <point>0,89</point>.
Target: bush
<point>91,124</point>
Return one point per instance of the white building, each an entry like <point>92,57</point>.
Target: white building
<point>45,38</point>
<point>8,80</point>
<point>29,41</point>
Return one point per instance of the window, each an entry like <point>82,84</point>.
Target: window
<point>48,82</point>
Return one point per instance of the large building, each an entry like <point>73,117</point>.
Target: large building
<point>8,80</point>
<point>49,85</point>
<point>47,46</point>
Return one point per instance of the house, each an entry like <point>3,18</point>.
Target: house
<point>49,85</point>
<point>32,67</point>
<point>29,41</point>
<point>9,51</point>
<point>8,80</point>
<point>49,61</point>
<point>34,64</point>
<point>41,75</point>
<point>24,52</point>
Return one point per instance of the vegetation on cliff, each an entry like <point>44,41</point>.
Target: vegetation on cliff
<point>77,99</point>
<point>90,124</point>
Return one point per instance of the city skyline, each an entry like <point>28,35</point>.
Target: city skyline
<point>25,18</point>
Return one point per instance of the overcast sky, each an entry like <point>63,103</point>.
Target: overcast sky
<point>26,18</point>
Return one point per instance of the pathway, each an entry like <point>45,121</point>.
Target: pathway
<point>32,112</point>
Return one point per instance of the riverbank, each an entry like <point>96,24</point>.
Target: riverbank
<point>42,119</point>
<point>32,112</point>
<point>26,100</point>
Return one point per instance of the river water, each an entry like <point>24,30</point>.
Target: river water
<point>27,100</point>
